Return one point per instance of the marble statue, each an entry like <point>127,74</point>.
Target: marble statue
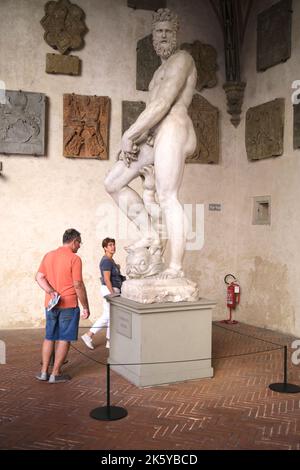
<point>155,147</point>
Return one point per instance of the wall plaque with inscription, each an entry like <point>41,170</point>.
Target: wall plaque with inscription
<point>265,130</point>
<point>86,123</point>
<point>274,33</point>
<point>205,118</point>
<point>22,123</point>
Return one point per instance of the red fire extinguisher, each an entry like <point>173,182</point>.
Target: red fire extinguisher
<point>233,296</point>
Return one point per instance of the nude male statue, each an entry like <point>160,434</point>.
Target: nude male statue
<point>163,136</point>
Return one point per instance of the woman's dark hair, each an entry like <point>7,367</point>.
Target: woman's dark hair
<point>70,235</point>
<point>107,240</point>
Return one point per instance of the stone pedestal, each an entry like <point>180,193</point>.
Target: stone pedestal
<point>160,343</point>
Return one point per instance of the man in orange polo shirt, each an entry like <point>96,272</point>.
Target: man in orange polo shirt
<point>60,273</point>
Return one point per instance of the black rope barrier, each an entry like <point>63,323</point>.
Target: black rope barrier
<point>109,412</point>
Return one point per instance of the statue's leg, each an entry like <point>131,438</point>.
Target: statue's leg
<point>128,200</point>
<point>170,151</point>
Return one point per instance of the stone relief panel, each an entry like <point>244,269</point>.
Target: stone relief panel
<point>62,64</point>
<point>205,57</point>
<point>265,130</point>
<point>130,112</point>
<point>86,124</point>
<point>274,32</point>
<point>147,62</point>
<point>296,126</point>
<point>64,25</point>
<point>147,4</point>
<point>205,118</point>
<point>22,123</point>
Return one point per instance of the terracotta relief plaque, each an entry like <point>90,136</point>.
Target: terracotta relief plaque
<point>64,25</point>
<point>147,4</point>
<point>265,129</point>
<point>205,57</point>
<point>147,62</point>
<point>22,123</point>
<point>274,31</point>
<point>130,112</point>
<point>296,126</point>
<point>205,118</point>
<point>86,124</point>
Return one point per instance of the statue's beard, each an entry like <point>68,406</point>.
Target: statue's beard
<point>165,49</point>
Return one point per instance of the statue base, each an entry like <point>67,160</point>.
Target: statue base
<point>152,290</point>
<point>152,344</point>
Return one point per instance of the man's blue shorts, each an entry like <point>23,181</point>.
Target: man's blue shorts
<point>62,324</point>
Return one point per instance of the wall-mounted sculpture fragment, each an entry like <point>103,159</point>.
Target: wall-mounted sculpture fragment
<point>147,61</point>
<point>205,118</point>
<point>205,57</point>
<point>265,130</point>
<point>130,112</point>
<point>65,28</point>
<point>63,64</point>
<point>274,32</point>
<point>86,125</point>
<point>22,123</point>
<point>296,126</point>
<point>146,4</point>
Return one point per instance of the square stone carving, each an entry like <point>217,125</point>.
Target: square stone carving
<point>205,118</point>
<point>147,4</point>
<point>147,62</point>
<point>86,124</point>
<point>265,129</point>
<point>296,126</point>
<point>22,123</point>
<point>274,31</point>
<point>130,112</point>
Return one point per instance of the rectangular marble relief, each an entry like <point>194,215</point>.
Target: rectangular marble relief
<point>205,119</point>
<point>274,35</point>
<point>130,112</point>
<point>22,123</point>
<point>265,130</point>
<point>86,124</point>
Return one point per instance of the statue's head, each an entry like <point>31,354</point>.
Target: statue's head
<point>164,31</point>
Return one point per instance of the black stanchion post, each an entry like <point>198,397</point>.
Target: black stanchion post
<point>284,387</point>
<point>108,413</point>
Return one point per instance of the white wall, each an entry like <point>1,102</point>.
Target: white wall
<point>268,257</point>
<point>41,197</point>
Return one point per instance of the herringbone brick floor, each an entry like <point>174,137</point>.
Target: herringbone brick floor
<point>233,410</point>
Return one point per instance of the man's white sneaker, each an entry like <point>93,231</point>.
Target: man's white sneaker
<point>88,341</point>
